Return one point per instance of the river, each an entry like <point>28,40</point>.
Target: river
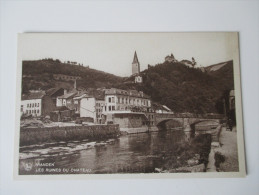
<point>133,153</point>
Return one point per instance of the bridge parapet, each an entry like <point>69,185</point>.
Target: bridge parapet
<point>189,115</point>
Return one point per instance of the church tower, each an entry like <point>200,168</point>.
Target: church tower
<point>135,65</point>
<point>136,69</point>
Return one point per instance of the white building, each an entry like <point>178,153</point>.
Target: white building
<point>87,107</point>
<point>66,99</point>
<point>132,100</point>
<point>92,107</point>
<point>77,100</point>
<point>32,104</point>
<point>138,79</point>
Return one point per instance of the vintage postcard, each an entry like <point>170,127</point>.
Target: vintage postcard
<point>128,105</point>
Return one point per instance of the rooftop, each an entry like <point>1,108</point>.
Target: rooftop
<point>135,59</point>
<point>52,91</point>
<point>35,95</point>
<point>68,95</point>
<point>133,93</point>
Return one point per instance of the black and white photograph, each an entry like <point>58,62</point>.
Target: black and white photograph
<point>129,103</point>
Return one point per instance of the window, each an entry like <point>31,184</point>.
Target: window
<point>118,100</point>
<point>113,107</point>
<point>109,108</point>
<point>110,100</point>
<point>32,105</point>
<point>28,105</point>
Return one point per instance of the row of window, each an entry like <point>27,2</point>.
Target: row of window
<point>99,104</point>
<point>31,105</point>
<point>32,111</point>
<point>127,101</point>
<point>110,108</point>
<point>98,110</point>
<point>99,115</point>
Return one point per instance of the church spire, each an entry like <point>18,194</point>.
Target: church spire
<point>135,65</point>
<point>135,59</point>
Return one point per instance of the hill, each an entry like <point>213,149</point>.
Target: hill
<point>216,67</point>
<point>179,87</point>
<point>38,74</point>
<point>185,89</point>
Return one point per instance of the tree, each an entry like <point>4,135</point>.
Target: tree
<point>193,62</point>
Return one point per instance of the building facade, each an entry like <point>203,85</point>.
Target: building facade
<point>66,100</point>
<point>37,104</point>
<point>87,108</point>
<point>90,107</point>
<point>138,79</point>
<point>31,107</point>
<point>130,100</point>
<point>54,93</point>
<point>99,111</point>
<point>77,101</point>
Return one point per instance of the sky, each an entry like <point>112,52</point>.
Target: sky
<point>113,52</point>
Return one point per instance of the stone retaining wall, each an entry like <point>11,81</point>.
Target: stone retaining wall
<point>30,136</point>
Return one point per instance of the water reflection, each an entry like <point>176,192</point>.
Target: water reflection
<point>135,153</point>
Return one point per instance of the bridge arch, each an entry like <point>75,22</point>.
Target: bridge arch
<point>161,124</point>
<point>204,126</point>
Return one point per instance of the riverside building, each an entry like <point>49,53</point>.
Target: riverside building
<point>126,100</point>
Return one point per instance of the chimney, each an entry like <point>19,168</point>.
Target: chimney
<point>65,91</point>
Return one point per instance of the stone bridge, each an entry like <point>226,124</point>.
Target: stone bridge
<point>186,121</point>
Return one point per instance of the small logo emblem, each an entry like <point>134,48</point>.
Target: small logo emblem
<point>27,166</point>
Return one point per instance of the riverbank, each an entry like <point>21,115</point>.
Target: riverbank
<point>30,136</point>
<point>228,150</point>
<point>222,157</point>
<point>191,156</point>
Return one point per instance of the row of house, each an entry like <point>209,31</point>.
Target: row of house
<point>93,104</point>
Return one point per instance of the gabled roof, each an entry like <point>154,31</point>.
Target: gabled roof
<point>35,95</point>
<point>97,94</point>
<point>77,97</point>
<point>52,91</point>
<point>68,95</point>
<point>81,93</point>
<point>135,59</point>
